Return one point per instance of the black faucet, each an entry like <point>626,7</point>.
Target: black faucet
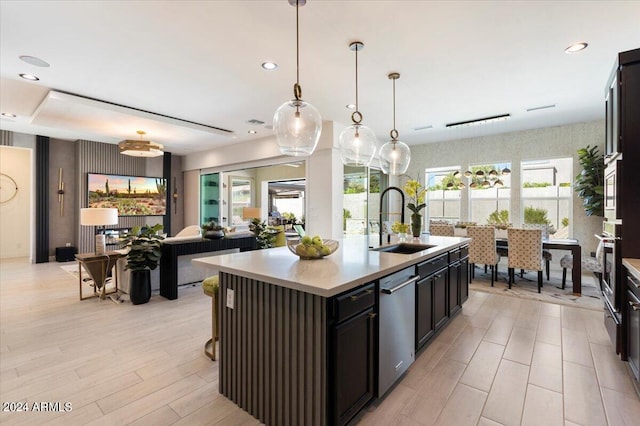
<point>395,188</point>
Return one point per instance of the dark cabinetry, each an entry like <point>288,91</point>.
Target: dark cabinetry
<point>632,310</point>
<point>353,336</point>
<point>440,292</point>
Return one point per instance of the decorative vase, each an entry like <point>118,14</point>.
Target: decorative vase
<point>416,224</point>
<point>140,286</point>
<point>402,237</point>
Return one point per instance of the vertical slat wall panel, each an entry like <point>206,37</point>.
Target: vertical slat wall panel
<point>6,138</point>
<point>273,348</point>
<point>95,157</point>
<point>42,199</point>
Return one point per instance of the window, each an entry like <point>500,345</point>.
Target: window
<point>443,195</point>
<point>240,197</point>
<point>546,194</point>
<point>361,200</point>
<point>490,193</point>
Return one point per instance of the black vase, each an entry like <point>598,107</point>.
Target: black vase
<point>214,235</point>
<point>140,286</point>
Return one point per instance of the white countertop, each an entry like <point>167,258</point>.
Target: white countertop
<point>633,265</point>
<point>351,265</point>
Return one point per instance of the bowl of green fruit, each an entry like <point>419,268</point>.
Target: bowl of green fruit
<point>309,248</point>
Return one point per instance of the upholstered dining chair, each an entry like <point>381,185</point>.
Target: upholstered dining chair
<point>441,229</point>
<point>525,252</point>
<point>592,264</point>
<point>482,249</point>
<point>546,254</point>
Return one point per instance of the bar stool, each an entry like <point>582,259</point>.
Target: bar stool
<point>211,286</point>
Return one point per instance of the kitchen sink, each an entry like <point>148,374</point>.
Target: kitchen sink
<point>404,248</point>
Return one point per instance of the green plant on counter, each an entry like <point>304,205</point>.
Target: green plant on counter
<point>590,182</point>
<point>400,228</point>
<point>536,184</point>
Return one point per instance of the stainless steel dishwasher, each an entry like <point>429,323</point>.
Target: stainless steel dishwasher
<point>397,327</point>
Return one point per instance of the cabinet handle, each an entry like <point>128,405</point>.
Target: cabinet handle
<point>635,306</point>
<point>372,315</point>
<point>354,297</point>
<point>635,284</point>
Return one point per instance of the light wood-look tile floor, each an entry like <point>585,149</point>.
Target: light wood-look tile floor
<point>502,361</point>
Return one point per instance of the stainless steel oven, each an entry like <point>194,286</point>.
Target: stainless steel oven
<point>612,206</point>
<point>612,284</point>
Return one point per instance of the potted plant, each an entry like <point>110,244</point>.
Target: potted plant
<point>144,252</point>
<point>265,236</point>
<point>416,192</point>
<point>590,182</point>
<point>212,230</point>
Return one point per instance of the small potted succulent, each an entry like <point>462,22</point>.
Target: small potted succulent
<point>212,230</point>
<point>144,252</point>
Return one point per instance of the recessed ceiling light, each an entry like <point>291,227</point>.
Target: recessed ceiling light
<point>29,77</point>
<point>576,47</point>
<point>32,60</point>
<point>269,66</point>
<point>252,132</point>
<point>8,114</point>
<point>351,106</point>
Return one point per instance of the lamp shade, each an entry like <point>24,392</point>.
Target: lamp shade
<point>298,126</point>
<point>139,148</point>
<point>395,157</point>
<point>251,213</point>
<point>98,216</point>
<point>357,145</point>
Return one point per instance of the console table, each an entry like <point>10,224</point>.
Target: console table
<point>98,266</point>
<point>172,249</point>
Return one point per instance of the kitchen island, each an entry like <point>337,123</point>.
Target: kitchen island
<point>301,340</point>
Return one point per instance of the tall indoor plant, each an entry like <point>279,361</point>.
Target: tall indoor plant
<point>144,252</point>
<point>590,182</point>
<point>416,193</point>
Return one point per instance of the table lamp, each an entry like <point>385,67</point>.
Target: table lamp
<point>251,213</point>
<point>99,217</point>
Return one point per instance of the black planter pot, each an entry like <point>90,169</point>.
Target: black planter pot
<point>214,235</point>
<point>140,287</point>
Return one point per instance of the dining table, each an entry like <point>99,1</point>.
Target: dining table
<point>567,244</point>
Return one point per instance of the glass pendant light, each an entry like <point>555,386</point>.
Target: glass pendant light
<point>395,156</point>
<point>357,142</point>
<point>297,123</point>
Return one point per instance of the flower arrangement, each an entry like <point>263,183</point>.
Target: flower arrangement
<point>416,193</point>
<point>400,228</point>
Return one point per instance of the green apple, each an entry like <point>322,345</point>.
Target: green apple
<point>317,241</point>
<point>306,240</point>
<point>301,250</point>
<point>312,251</point>
<point>326,251</point>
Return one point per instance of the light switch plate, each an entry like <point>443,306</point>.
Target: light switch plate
<point>230,298</point>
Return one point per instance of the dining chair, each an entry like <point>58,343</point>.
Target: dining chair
<point>482,249</point>
<point>441,229</point>
<point>546,254</point>
<point>525,252</point>
<point>592,264</point>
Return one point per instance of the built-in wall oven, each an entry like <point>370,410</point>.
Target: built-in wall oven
<point>612,205</point>
<point>613,284</point>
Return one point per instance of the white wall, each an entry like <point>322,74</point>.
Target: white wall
<point>15,215</point>
<point>545,143</point>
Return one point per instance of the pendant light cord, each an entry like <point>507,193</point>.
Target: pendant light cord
<point>297,90</point>
<point>394,133</point>
<point>356,116</point>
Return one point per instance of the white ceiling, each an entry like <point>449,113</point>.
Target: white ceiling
<point>199,61</point>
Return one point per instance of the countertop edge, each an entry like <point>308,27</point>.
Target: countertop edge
<point>632,265</point>
<point>405,261</point>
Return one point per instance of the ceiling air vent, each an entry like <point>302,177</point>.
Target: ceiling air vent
<point>478,121</point>
<point>256,122</point>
